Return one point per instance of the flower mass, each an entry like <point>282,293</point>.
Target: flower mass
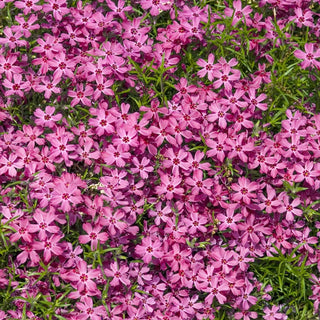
<point>159,160</point>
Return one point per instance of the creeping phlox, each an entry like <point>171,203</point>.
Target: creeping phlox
<point>159,159</point>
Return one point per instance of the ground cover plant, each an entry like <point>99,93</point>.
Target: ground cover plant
<point>159,159</point>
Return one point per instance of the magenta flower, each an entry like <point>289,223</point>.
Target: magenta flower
<point>273,314</point>
<point>93,235</point>
<point>218,146</point>
<point>302,18</point>
<point>254,101</point>
<point>126,138</point>
<point>118,274</point>
<point>142,167</point>
<point>65,195</point>
<point>103,122</point>
<point>9,164</point>
<point>29,251</point>
<point>245,300</point>
<point>12,39</point>
<point>149,249</point>
<point>271,202</point>
<point>217,289</point>
<point>308,56</point>
<point>253,230</point>
<point>306,172</point>
<point>15,87</point>
<point>44,222</point>
<point>57,7</point>
<point>23,229</point>
<point>60,149</point>
<point>169,186</point>
<point>87,311</point>
<point>290,208</point>
<point>81,95</point>
<point>8,66</point>
<point>26,26</point>
<point>245,315</point>
<point>113,221</point>
<point>208,67</point>
<point>245,190</point>
<point>102,87</point>
<point>27,5</point>
<point>46,118</point>
<point>119,9</point>
<point>225,77</point>
<point>84,277</point>
<point>240,146</point>
<point>160,214</point>
<point>218,112</point>
<point>85,153</point>
<point>178,258</point>
<point>48,86</point>
<point>198,184</point>
<point>51,246</point>
<point>238,12</point>
<point>196,223</point>
<point>175,160</point>
<point>229,219</point>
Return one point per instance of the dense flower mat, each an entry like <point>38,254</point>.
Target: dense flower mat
<point>159,159</point>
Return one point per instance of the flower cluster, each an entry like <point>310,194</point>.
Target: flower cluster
<point>146,172</point>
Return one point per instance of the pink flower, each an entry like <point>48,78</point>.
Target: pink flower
<point>22,229</point>
<point>44,220</point>
<point>93,235</point>
<point>9,164</point>
<point>198,184</point>
<point>178,258</point>
<point>272,314</point>
<point>142,167</point>
<point>302,18</point>
<point>83,277</point>
<point>218,146</point>
<point>245,190</point>
<point>169,186</point>
<point>118,274</point>
<point>196,222</point>
<point>87,311</point>
<point>309,56</point>
<point>29,252</point>
<point>58,7</point>
<point>80,95</point>
<point>216,290</point>
<point>12,39</point>
<point>126,138</point>
<point>15,87</point>
<point>8,66</point>
<point>208,67</point>
<point>46,118</point>
<point>306,172</point>
<point>238,12</point>
<point>149,249</point>
<point>113,221</point>
<point>48,86</point>
<point>245,315</point>
<point>229,220</point>
<point>27,5</point>
<point>65,195</point>
<point>175,160</point>
<point>240,145</point>
<point>86,154</point>
<point>225,77</point>
<point>51,246</point>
